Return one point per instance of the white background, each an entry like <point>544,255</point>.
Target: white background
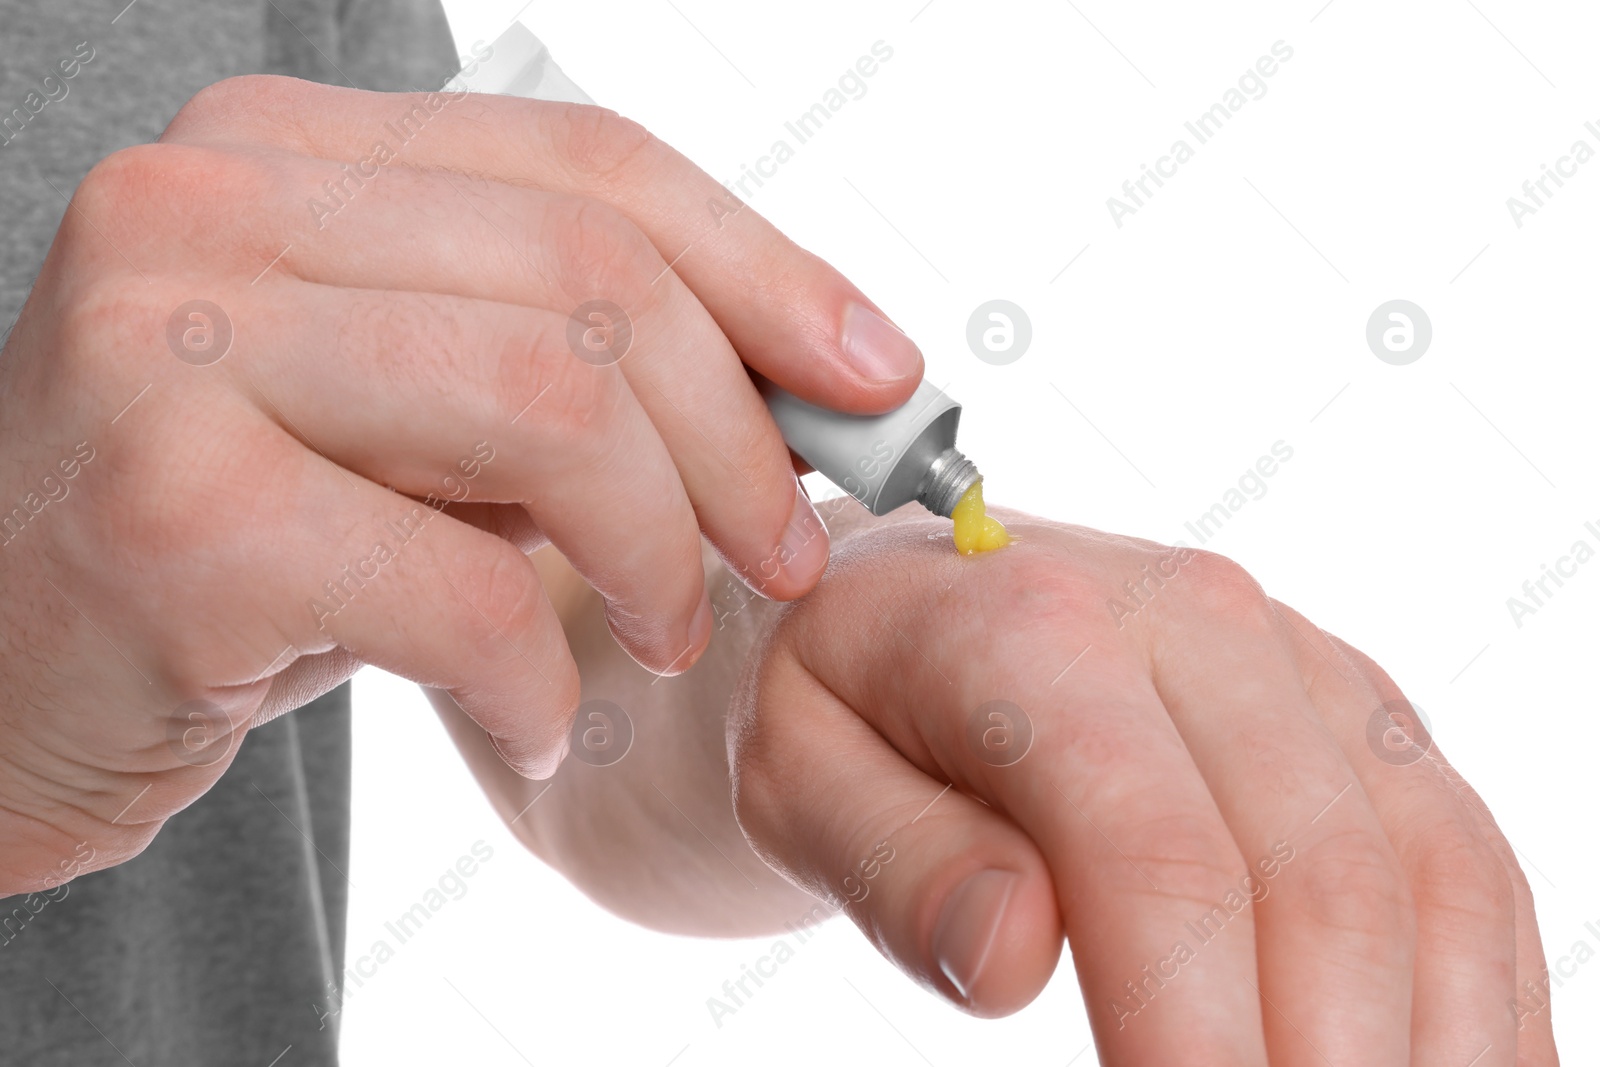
<point>1227,314</point>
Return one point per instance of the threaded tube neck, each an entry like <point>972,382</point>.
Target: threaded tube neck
<point>948,480</point>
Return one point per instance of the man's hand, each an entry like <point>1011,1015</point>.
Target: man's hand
<point>1254,852</point>
<point>256,345</point>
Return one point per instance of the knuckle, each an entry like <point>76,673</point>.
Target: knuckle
<point>219,98</point>
<point>1185,858</point>
<point>785,275</point>
<point>1352,883</point>
<point>122,179</point>
<point>599,146</point>
<point>598,251</point>
<point>1495,841</point>
<point>574,398</point>
<point>1453,869</point>
<point>175,200</point>
<point>1221,586</point>
<point>504,598</point>
<point>229,101</point>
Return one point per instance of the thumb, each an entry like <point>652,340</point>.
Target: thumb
<point>948,889</point>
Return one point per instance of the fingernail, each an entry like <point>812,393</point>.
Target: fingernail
<point>700,629</point>
<point>967,927</point>
<point>803,551</point>
<point>878,351</point>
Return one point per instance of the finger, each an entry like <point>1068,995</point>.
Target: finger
<point>489,241</point>
<point>949,890</point>
<point>580,254</point>
<point>335,563</point>
<point>1477,937</point>
<point>526,423</point>
<point>790,316</point>
<point>1336,928</point>
<point>426,597</point>
<point>1156,893</point>
<point>1140,862</point>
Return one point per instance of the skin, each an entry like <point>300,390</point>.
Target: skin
<point>367,368</point>
<point>1213,732</point>
<point>414,343</point>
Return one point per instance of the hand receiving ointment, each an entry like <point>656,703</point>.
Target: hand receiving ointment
<point>975,530</point>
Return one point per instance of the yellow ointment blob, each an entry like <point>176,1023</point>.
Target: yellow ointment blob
<point>975,530</point>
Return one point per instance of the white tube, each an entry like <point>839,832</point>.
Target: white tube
<point>884,461</point>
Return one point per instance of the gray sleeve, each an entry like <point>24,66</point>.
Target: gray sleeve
<point>396,45</point>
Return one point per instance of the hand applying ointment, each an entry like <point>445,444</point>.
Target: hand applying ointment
<point>975,530</point>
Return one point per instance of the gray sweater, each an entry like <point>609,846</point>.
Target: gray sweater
<point>223,943</point>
